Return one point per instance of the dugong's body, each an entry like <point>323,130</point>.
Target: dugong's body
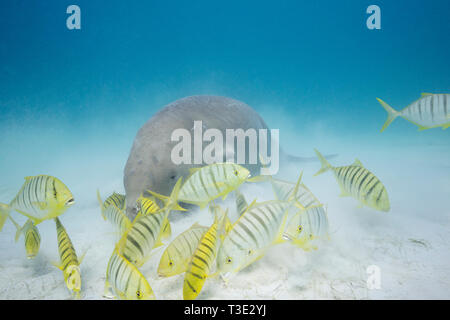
<point>150,167</point>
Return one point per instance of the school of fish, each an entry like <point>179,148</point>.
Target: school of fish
<point>294,215</point>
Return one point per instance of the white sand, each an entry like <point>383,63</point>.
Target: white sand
<point>410,244</point>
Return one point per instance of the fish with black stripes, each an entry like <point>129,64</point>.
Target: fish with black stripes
<point>176,257</point>
<point>429,111</point>
<point>147,231</point>
<point>41,198</point>
<point>210,182</point>
<point>290,191</point>
<point>147,206</point>
<point>359,183</point>
<point>203,259</point>
<point>306,226</point>
<point>69,263</point>
<point>241,203</point>
<point>126,281</point>
<point>257,229</point>
<point>117,199</point>
<point>113,211</point>
<point>31,235</point>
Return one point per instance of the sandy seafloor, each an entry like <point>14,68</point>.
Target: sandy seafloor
<point>410,244</point>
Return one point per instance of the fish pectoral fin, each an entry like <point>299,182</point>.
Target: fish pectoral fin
<point>303,244</point>
<point>202,205</point>
<point>421,128</point>
<point>80,260</point>
<point>57,265</point>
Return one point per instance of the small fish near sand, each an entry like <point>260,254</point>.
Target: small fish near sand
<point>69,265</point>
<point>259,227</point>
<point>210,182</point>
<point>203,259</point>
<point>126,281</point>
<point>147,231</point>
<point>31,235</point>
<point>176,257</point>
<point>358,182</point>
<point>307,225</point>
<point>113,211</point>
<point>429,111</point>
<point>41,198</point>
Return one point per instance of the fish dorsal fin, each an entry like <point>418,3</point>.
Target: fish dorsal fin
<point>167,230</point>
<point>195,225</point>
<point>193,170</point>
<point>29,178</point>
<point>357,163</point>
<point>293,195</point>
<point>424,94</point>
<point>249,207</point>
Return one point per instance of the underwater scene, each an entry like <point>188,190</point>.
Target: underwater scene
<point>217,150</point>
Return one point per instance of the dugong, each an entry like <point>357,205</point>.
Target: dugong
<point>149,165</point>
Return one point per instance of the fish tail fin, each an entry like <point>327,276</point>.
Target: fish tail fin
<point>172,202</point>
<point>392,114</point>
<point>18,227</point>
<point>5,210</point>
<point>325,164</point>
<point>172,199</point>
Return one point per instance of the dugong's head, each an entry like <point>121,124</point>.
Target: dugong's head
<point>150,167</point>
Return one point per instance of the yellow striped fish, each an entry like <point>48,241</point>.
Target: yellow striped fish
<point>146,232</point>
<point>40,198</point>
<point>307,225</point>
<point>358,182</point>
<point>217,210</point>
<point>284,191</point>
<point>429,111</point>
<point>113,213</point>
<point>147,206</point>
<point>203,259</point>
<point>69,265</point>
<point>116,198</point>
<point>241,203</point>
<point>176,257</point>
<point>210,182</point>
<point>259,227</point>
<point>32,237</point>
<point>126,280</point>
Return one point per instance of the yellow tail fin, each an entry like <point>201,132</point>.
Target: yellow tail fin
<point>392,114</point>
<point>171,201</point>
<point>325,164</point>
<point>4,213</point>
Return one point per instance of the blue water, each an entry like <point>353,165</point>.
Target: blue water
<point>71,101</point>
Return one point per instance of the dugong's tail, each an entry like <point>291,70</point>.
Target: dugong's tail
<point>292,158</point>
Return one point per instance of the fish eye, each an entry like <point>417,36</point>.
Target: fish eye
<point>170,263</point>
<point>299,229</point>
<point>172,177</point>
<point>138,294</point>
<point>228,260</point>
<point>236,172</point>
